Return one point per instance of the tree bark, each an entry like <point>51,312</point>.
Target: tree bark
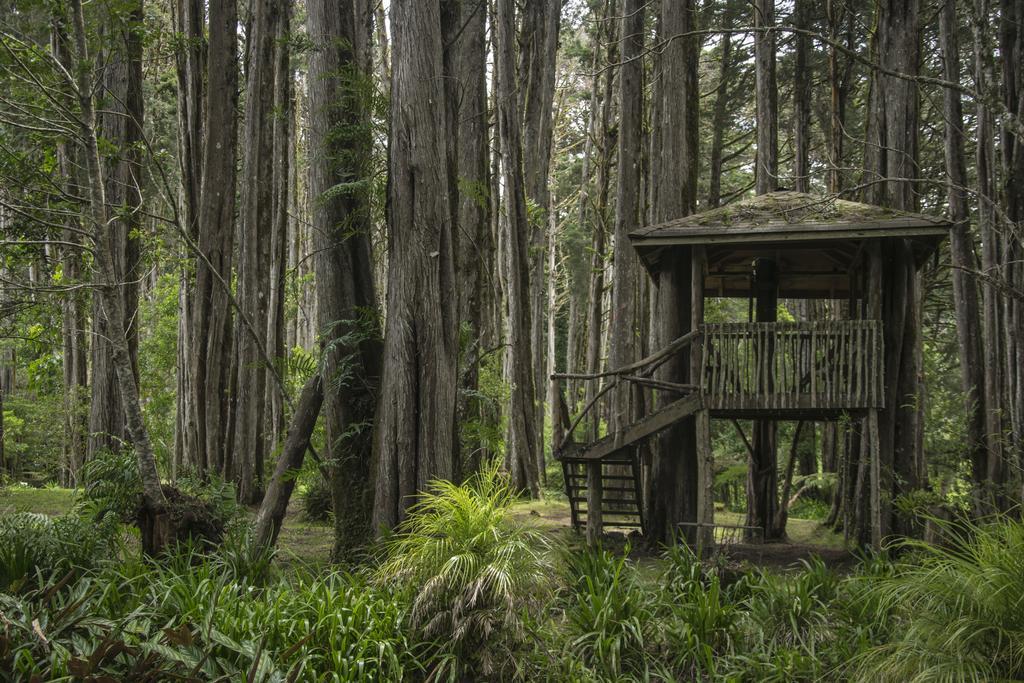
<point>339,154</point>
<point>120,119</point>
<point>538,51</point>
<point>473,215</point>
<point>211,327</point>
<point>416,413</point>
<point>802,79</point>
<point>274,505</point>
<point>767,160</point>
<point>965,287</point>
<point>522,433</point>
<point>256,219</point>
<point>674,471</point>
<point>108,293</point>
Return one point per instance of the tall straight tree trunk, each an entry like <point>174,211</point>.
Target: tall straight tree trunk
<point>1011,49</point>
<point>121,126</point>
<point>473,219</point>
<point>767,161</point>
<point>674,493</point>
<point>965,287</point>
<point>339,154</point>
<point>211,345</point>
<point>73,304</point>
<point>538,52</point>
<point>595,293</point>
<point>282,162</point>
<point>522,442</point>
<point>109,295</point>
<point>802,79</point>
<point>720,118</point>
<point>625,306</point>
<point>762,493</point>
<point>416,413</point>
<point>190,66</point>
<point>992,314</point>
<point>255,240</point>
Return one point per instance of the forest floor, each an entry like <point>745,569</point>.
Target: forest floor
<point>308,544</point>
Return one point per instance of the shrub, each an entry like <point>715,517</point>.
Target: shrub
<point>317,500</point>
<point>472,572</point>
<point>190,619</point>
<point>33,543</point>
<point>609,613</point>
<point>958,610</point>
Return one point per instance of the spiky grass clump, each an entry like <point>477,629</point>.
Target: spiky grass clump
<point>959,609</point>
<point>474,574</point>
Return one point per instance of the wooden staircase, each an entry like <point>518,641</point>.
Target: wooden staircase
<point>621,504</point>
<point>618,457</point>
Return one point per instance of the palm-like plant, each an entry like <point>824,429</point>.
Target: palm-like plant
<point>473,572</point>
<point>958,610</point>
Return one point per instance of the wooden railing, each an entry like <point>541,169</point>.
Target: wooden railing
<point>828,365</point>
<point>612,395</point>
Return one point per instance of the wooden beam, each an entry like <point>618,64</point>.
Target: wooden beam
<point>705,485</point>
<point>650,425</point>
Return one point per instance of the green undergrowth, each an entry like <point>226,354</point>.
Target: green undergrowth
<point>474,586</point>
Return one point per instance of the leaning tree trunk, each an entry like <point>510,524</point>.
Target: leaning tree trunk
<point>416,412</point>
<point>339,153</point>
<point>522,442</point>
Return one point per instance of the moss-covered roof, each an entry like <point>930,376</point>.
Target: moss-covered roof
<point>784,212</point>
<point>817,240</point>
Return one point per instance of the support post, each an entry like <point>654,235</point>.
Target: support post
<point>874,312</point>
<point>705,485</point>
<point>762,479</point>
<point>595,495</point>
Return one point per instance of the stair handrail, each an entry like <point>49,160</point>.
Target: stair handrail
<point>657,358</point>
<point>637,372</point>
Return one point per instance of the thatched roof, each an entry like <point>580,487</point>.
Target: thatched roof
<point>820,237</point>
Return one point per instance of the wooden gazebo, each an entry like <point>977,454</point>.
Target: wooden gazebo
<point>779,245</point>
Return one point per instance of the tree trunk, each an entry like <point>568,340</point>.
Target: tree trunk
<point>270,516</point>
<point>211,312</point>
<point>802,79</point>
<point>110,297</point>
<point>767,161</point>
<point>992,316</point>
<point>674,475</point>
<point>720,118</point>
<point>473,219</point>
<point>274,398</point>
<point>73,304</point>
<point>339,154</point>
<point>538,51</point>
<point>120,119</point>
<point>965,288</point>
<point>522,440</point>
<point>251,414</point>
<point>416,413</point>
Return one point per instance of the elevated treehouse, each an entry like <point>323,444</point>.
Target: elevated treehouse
<point>780,245</point>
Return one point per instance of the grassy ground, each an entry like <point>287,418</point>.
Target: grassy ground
<point>309,544</point>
